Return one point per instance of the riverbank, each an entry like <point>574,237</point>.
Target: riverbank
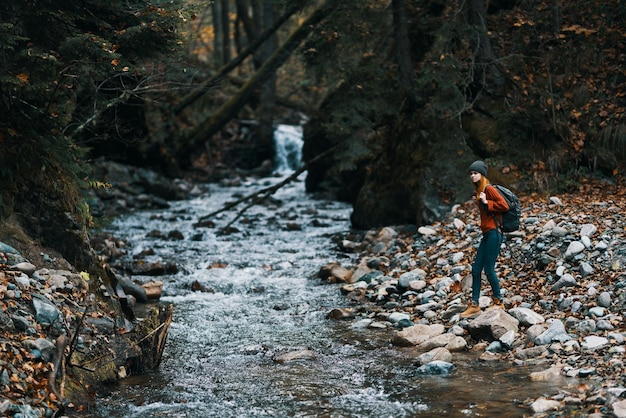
<point>564,306</point>
<point>66,335</point>
<point>564,286</point>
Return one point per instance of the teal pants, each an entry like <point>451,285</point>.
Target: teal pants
<point>486,257</point>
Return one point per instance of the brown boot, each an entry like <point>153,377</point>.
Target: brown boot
<point>471,310</point>
<point>497,304</point>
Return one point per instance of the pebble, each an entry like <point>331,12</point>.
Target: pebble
<point>561,284</point>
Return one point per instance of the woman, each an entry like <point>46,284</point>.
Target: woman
<point>490,204</point>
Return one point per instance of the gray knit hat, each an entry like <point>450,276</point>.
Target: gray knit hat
<point>479,167</point>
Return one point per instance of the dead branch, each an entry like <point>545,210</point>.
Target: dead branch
<point>215,122</point>
<point>206,86</point>
<point>58,367</point>
<point>260,195</point>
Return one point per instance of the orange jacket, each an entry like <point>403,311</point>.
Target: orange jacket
<point>496,204</point>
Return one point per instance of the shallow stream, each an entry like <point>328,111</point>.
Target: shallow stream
<point>262,302</point>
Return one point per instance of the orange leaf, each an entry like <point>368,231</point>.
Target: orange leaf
<point>23,77</point>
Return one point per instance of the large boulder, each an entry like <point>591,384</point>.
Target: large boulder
<point>492,324</point>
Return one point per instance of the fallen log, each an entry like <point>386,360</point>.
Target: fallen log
<point>260,195</point>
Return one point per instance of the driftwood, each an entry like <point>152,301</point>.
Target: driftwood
<point>260,195</point>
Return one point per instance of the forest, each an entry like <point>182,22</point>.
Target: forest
<point>396,99</point>
<point>401,95</point>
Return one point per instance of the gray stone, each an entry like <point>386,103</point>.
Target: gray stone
<point>566,281</point>
<point>6,324</point>
<point>532,352</point>
<point>395,317</point>
<point>436,367</point>
<point>508,338</point>
<point>586,326</point>
<point>436,354</point>
<point>593,342</point>
<point>555,332</point>
<point>604,300</point>
<point>25,267</point>
<point>574,248</point>
<point>604,325</point>
<point>492,324</point>
<point>45,312</point>
<point>588,230</point>
<point>597,311</point>
<point>585,269</point>
<point>47,348</point>
<point>526,317</point>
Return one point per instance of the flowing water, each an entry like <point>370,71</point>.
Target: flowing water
<point>261,301</point>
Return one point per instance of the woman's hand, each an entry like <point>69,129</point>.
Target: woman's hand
<point>483,197</point>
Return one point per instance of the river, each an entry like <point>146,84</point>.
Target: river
<point>262,301</point>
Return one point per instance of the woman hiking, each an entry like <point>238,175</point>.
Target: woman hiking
<point>490,204</point>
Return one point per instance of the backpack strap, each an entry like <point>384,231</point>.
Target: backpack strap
<point>494,214</point>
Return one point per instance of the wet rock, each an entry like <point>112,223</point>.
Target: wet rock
<point>337,313</point>
<point>157,268</point>
<point>554,372</point>
<point>436,354</point>
<point>542,405</point>
<point>153,289</point>
<point>175,235</point>
<point>531,352</point>
<point>417,334</point>
<point>301,355</point>
<point>134,289</point>
<point>335,273</point>
<point>436,367</point>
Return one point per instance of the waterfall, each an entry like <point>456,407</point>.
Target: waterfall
<point>288,143</point>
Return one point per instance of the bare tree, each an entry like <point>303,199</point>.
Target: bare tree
<point>267,95</point>
<point>215,122</point>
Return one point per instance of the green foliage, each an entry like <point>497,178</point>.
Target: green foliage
<point>60,63</point>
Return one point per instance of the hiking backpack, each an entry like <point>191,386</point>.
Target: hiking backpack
<point>510,218</point>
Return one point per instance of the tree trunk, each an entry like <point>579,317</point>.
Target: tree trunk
<point>557,16</point>
<point>217,27</point>
<point>224,17</point>
<point>476,16</point>
<point>253,46</point>
<point>243,12</point>
<point>405,61</point>
<point>217,121</point>
<point>267,96</point>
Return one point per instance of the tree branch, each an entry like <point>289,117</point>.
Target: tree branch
<point>206,86</point>
<point>263,194</point>
<point>217,121</point>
